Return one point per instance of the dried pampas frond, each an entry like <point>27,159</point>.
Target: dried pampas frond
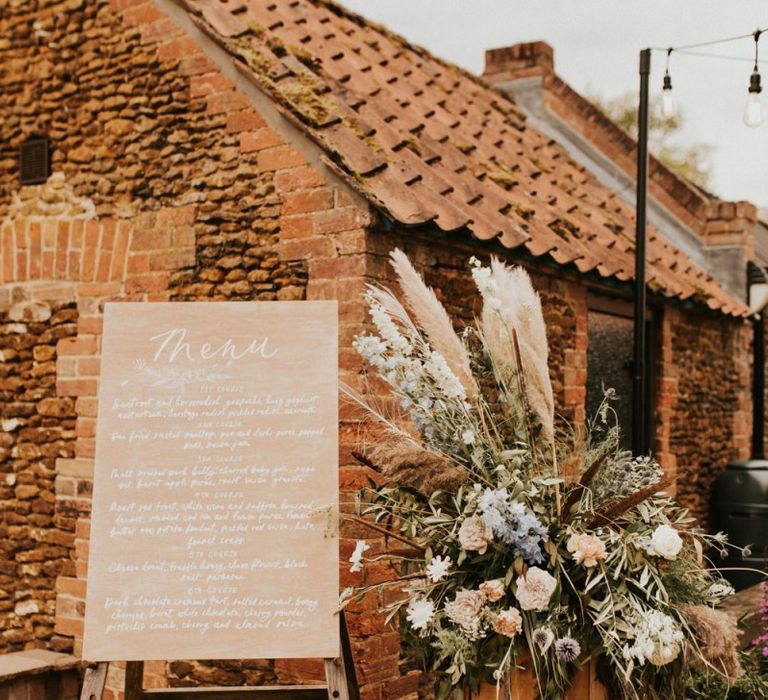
<point>515,287</point>
<point>405,465</point>
<point>517,307</point>
<point>394,309</point>
<point>615,509</point>
<point>582,486</point>
<point>718,637</point>
<point>433,319</point>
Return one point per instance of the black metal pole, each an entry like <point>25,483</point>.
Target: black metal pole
<point>640,442</point>
<point>758,388</point>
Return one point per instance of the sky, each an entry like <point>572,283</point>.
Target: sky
<point>596,46</point>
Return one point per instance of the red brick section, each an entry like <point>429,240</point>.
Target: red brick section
<point>718,222</point>
<point>77,251</point>
<point>732,224</point>
<point>525,60</point>
<point>666,397</point>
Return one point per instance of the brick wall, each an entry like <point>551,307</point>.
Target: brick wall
<point>54,278</point>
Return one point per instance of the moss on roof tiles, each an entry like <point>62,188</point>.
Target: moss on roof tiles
<point>296,79</point>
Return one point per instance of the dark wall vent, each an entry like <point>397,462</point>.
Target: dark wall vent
<point>34,161</point>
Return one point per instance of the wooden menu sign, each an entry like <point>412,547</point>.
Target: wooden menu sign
<point>216,482</point>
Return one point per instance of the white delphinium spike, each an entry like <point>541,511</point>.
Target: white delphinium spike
<point>394,308</point>
<point>432,318</point>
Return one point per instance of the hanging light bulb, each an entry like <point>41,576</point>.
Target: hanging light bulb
<point>668,106</point>
<point>753,112</point>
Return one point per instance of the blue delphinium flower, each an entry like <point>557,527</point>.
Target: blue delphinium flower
<point>513,524</point>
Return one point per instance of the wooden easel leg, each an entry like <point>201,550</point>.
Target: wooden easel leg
<point>134,680</point>
<point>335,681</point>
<point>340,673</point>
<point>94,681</point>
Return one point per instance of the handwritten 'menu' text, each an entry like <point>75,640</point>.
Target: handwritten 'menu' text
<point>173,344</point>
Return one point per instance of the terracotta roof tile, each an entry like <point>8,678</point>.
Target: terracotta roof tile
<point>426,141</point>
<point>221,18</point>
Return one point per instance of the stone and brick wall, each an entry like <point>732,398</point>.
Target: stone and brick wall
<point>705,404</point>
<point>54,277</point>
<point>195,197</point>
<point>36,536</point>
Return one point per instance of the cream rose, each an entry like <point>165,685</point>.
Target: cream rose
<point>508,622</point>
<point>475,535</point>
<point>535,589</point>
<point>465,610</point>
<point>665,542</point>
<point>586,549</point>
<point>494,590</point>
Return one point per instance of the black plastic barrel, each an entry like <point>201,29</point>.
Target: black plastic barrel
<point>740,510</point>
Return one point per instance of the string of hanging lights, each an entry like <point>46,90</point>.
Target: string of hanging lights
<point>754,115</point>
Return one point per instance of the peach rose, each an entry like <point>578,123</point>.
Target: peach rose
<point>475,535</point>
<point>586,549</point>
<point>535,589</point>
<point>508,622</point>
<point>494,590</point>
<point>465,610</point>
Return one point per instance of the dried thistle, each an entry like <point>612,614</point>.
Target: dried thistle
<point>624,476</point>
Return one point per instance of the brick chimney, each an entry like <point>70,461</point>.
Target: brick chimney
<point>519,61</point>
<point>732,224</point>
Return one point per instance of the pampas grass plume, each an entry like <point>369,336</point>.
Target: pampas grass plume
<point>519,309</point>
<point>432,318</point>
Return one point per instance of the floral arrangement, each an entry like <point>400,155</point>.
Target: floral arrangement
<point>522,542</point>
